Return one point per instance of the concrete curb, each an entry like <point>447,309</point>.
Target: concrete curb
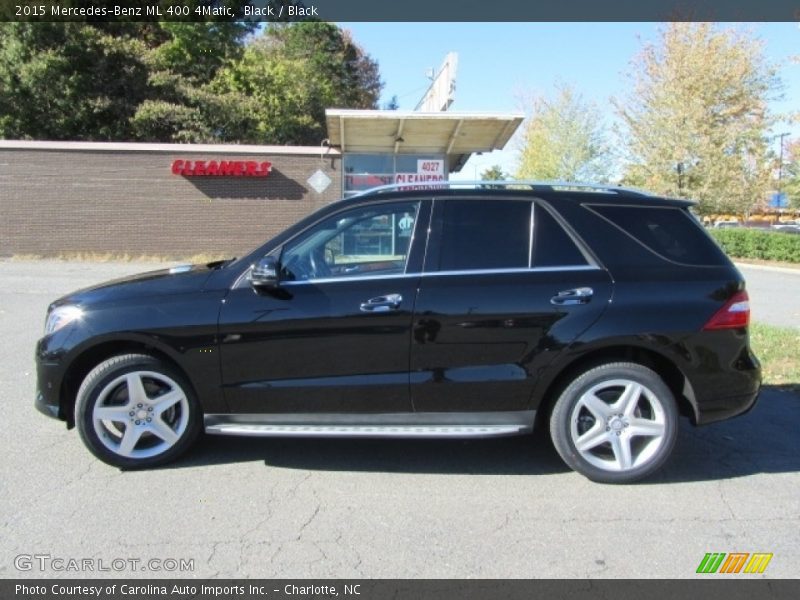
<point>767,268</point>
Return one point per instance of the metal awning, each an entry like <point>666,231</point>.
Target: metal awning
<point>458,135</point>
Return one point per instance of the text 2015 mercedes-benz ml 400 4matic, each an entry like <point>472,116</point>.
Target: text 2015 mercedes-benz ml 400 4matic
<point>602,313</point>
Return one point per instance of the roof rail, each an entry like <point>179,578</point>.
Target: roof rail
<point>536,186</point>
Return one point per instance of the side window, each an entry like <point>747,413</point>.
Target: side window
<point>364,241</point>
<point>672,233</point>
<point>485,234</point>
<point>552,246</point>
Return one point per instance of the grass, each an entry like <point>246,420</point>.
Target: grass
<point>778,349</point>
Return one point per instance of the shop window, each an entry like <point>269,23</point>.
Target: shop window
<point>366,171</point>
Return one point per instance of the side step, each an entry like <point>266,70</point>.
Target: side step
<point>397,425</point>
<point>377,431</point>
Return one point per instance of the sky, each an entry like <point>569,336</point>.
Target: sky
<point>499,62</point>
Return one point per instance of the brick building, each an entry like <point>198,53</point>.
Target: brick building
<point>185,199</point>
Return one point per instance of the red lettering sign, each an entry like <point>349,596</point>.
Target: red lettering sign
<point>223,168</point>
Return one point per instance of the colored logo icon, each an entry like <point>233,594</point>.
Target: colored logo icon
<point>734,562</point>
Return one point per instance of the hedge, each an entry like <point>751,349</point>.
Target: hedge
<point>764,245</point>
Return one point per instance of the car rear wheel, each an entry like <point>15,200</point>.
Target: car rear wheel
<point>136,411</point>
<point>615,423</point>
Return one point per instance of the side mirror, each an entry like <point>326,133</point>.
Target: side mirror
<point>264,273</point>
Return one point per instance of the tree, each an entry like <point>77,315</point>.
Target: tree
<point>392,104</point>
<point>61,81</point>
<point>292,73</point>
<point>494,173</point>
<point>181,104</point>
<point>196,51</point>
<point>179,81</point>
<point>790,183</point>
<point>696,119</point>
<point>564,140</point>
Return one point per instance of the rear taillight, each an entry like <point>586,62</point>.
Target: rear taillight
<point>734,315</point>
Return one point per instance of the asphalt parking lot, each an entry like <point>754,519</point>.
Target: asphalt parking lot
<point>371,508</point>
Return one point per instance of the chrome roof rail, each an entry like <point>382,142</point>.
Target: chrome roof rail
<point>536,186</point>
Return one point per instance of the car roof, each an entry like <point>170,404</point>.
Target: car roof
<point>613,196</point>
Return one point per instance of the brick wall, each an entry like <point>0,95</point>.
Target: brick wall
<point>63,200</point>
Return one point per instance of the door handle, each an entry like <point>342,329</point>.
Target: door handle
<point>382,303</point>
<point>570,297</point>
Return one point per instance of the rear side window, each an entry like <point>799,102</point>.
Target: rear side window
<point>672,233</point>
<point>492,234</point>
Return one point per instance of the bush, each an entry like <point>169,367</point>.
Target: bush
<point>763,245</point>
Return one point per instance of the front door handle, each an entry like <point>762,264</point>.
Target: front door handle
<point>570,297</point>
<point>382,303</point>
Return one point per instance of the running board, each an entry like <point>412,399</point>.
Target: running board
<point>420,425</point>
<point>416,431</point>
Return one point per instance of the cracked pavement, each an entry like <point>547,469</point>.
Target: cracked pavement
<point>275,508</point>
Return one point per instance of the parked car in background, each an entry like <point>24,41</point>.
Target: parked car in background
<point>786,227</point>
<point>726,223</point>
<point>600,313</point>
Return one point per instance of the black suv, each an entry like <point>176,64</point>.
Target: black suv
<point>601,312</point>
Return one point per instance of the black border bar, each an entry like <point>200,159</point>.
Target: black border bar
<point>401,11</point>
<point>709,587</point>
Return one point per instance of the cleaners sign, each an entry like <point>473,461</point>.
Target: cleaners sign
<point>222,168</point>
<point>428,172</point>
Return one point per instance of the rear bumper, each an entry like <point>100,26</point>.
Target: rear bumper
<point>731,391</point>
<point>725,408</point>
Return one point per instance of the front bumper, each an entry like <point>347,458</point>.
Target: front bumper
<point>49,378</point>
<point>44,407</point>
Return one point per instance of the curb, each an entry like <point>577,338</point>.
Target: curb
<point>767,268</point>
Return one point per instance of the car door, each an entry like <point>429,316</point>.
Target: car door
<point>505,287</point>
<point>333,337</point>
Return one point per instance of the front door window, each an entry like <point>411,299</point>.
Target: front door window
<point>369,241</point>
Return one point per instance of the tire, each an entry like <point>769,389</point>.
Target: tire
<point>134,411</point>
<point>615,423</point>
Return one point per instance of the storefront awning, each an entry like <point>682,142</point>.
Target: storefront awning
<point>457,135</point>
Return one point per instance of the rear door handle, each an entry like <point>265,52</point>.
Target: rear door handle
<point>570,297</point>
<point>382,303</point>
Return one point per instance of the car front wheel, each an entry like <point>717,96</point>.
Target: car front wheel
<point>135,411</point>
<point>615,423</point>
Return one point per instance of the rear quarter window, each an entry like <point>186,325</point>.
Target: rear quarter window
<point>552,246</point>
<point>670,232</point>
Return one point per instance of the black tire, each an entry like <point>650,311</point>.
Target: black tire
<point>106,392</point>
<point>602,456</point>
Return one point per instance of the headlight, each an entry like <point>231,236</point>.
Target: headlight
<point>61,316</point>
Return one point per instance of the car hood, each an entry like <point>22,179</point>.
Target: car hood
<point>176,280</point>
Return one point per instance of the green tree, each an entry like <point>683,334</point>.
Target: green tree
<point>292,73</point>
<point>494,173</point>
<point>196,51</point>
<point>181,104</point>
<point>63,81</point>
<point>392,104</point>
<point>179,81</point>
<point>696,118</point>
<point>564,139</point>
<point>790,183</point>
